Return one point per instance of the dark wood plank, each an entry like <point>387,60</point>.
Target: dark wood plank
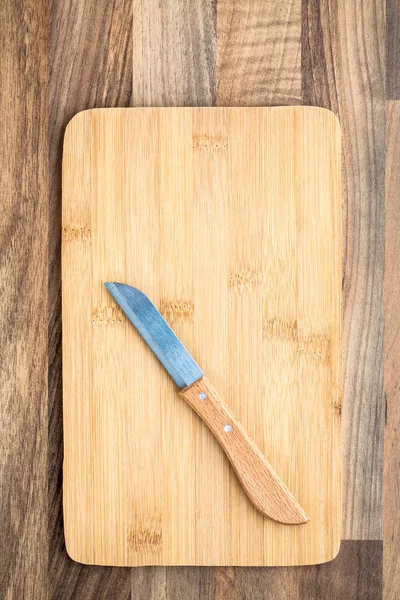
<point>391,529</point>
<point>90,66</point>
<point>256,583</point>
<point>393,49</point>
<point>174,53</point>
<point>343,69</point>
<point>355,574</point>
<point>23,298</point>
<point>173,583</point>
<point>259,52</point>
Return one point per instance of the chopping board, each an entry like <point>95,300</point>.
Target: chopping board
<point>229,219</point>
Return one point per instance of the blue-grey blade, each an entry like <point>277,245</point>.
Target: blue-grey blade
<point>156,333</point>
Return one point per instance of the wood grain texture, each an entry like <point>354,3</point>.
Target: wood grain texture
<point>173,53</point>
<point>174,48</point>
<point>392,50</point>
<point>355,574</point>
<point>23,298</point>
<point>90,65</point>
<point>343,56</point>
<point>258,52</point>
<point>173,583</point>
<point>90,71</point>
<point>266,328</point>
<point>257,477</point>
<point>391,530</point>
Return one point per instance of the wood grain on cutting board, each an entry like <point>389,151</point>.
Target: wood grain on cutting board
<point>229,219</point>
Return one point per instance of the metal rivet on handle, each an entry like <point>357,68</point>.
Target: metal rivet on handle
<point>227,428</point>
<point>202,396</point>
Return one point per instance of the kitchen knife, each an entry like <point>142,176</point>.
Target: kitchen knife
<point>260,482</point>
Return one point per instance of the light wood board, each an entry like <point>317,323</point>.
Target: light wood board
<point>229,219</point>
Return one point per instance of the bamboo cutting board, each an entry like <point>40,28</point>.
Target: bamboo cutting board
<point>229,219</point>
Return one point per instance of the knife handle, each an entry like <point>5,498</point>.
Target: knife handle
<point>260,482</point>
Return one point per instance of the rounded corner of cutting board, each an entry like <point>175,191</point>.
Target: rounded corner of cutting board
<point>328,115</point>
<point>74,551</point>
<point>75,121</point>
<point>74,130</point>
<point>332,555</point>
<point>336,549</point>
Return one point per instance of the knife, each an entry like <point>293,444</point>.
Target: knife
<point>260,482</point>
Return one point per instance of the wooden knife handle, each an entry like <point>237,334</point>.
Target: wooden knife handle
<point>260,482</point>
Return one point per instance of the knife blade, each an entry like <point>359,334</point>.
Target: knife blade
<point>260,482</point>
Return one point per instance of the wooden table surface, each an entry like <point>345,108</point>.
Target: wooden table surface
<point>60,57</point>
